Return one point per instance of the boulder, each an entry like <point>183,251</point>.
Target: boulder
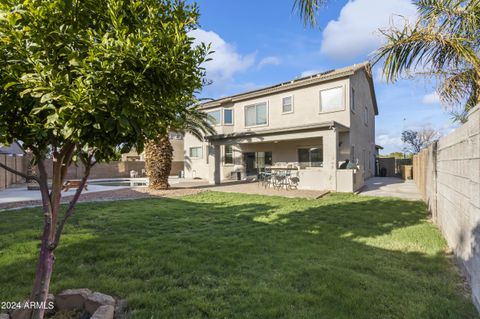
<point>121,309</point>
<point>103,312</point>
<point>21,314</point>
<point>97,299</point>
<point>72,299</point>
<point>4,316</point>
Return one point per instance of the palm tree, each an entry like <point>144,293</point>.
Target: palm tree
<point>444,41</point>
<point>159,152</point>
<point>307,9</point>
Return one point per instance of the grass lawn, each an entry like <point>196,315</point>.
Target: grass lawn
<point>220,255</point>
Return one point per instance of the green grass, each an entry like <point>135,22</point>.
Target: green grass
<point>220,255</point>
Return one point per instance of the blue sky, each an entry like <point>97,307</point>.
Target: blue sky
<point>260,43</point>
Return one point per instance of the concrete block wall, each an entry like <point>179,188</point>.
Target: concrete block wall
<point>448,175</point>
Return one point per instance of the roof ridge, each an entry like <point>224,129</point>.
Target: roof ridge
<point>325,75</point>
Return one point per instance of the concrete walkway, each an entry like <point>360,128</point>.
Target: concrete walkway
<point>391,187</point>
<point>21,194</point>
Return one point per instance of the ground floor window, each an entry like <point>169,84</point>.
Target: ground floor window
<point>228,159</point>
<point>310,157</point>
<point>196,151</point>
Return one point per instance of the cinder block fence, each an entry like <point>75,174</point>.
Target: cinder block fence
<point>448,176</point>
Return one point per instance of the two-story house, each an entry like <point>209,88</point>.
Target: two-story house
<point>314,123</point>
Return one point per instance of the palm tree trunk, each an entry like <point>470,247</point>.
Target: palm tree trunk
<point>158,162</point>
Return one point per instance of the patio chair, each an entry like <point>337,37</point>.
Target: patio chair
<point>293,180</point>
<point>280,180</point>
<point>267,177</point>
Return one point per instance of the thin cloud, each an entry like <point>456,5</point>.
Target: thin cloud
<point>431,98</point>
<point>270,60</point>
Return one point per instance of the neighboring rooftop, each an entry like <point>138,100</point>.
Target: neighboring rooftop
<point>300,82</point>
<point>12,149</point>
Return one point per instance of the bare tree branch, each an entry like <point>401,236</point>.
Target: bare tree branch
<point>11,170</point>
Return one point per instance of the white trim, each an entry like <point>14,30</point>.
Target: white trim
<point>292,104</point>
<point>255,104</point>
<point>320,111</point>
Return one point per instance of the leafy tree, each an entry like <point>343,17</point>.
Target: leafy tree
<point>417,140</point>
<point>445,42</point>
<point>80,79</point>
<point>159,151</point>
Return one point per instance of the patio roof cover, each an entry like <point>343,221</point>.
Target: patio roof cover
<point>260,135</point>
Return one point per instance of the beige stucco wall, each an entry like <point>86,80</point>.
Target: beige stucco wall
<point>363,137</point>
<point>306,111</point>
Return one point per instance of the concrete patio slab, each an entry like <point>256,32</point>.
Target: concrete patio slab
<point>391,187</point>
<point>254,188</point>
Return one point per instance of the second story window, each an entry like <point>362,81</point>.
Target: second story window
<point>332,100</point>
<point>196,152</point>
<point>227,116</point>
<point>256,114</point>
<point>287,104</point>
<point>216,116</point>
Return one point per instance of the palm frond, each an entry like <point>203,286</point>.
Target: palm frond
<point>307,9</point>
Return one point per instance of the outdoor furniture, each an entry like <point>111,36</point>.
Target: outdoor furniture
<point>73,184</point>
<point>265,177</point>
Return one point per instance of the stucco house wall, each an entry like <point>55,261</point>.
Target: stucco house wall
<point>348,128</point>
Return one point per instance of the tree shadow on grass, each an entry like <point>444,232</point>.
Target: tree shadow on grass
<point>218,255</point>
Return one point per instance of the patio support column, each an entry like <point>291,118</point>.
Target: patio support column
<point>330,145</point>
<point>214,164</point>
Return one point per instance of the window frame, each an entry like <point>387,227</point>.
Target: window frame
<point>255,105</point>
<point>233,116</point>
<point>225,155</point>
<point>342,87</point>
<point>309,149</point>
<point>195,147</point>
<point>292,103</point>
<point>219,123</point>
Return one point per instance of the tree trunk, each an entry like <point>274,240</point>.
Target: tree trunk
<point>44,269</point>
<point>53,226</point>
<point>158,162</point>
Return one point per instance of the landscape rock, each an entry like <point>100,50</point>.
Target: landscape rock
<point>121,309</point>
<point>4,316</point>
<point>72,298</point>
<point>21,314</point>
<point>104,312</point>
<point>97,299</point>
<point>50,300</point>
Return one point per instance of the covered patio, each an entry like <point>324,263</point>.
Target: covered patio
<point>314,152</point>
